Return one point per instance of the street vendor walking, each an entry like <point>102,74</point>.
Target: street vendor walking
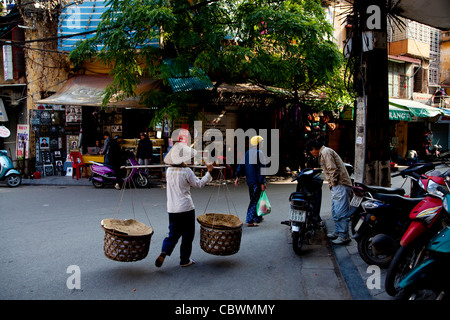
<point>180,206</point>
<point>340,184</point>
<point>251,167</point>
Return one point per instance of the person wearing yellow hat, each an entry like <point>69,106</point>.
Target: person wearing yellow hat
<point>256,140</point>
<point>180,206</point>
<point>251,167</point>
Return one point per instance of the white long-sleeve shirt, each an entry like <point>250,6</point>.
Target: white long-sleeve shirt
<point>179,182</point>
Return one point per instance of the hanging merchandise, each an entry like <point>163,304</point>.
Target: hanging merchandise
<point>220,234</point>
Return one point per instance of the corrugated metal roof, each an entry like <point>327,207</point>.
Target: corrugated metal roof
<point>79,18</point>
<point>195,79</point>
<point>190,84</point>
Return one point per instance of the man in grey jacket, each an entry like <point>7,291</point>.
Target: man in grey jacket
<point>340,185</point>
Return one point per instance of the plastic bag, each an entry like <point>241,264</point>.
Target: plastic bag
<point>263,206</point>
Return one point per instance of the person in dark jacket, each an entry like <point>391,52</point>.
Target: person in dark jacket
<point>144,151</point>
<point>112,153</point>
<point>251,167</point>
<point>106,152</point>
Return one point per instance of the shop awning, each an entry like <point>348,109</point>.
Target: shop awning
<point>89,90</point>
<point>399,114</point>
<point>416,109</point>
<point>445,118</point>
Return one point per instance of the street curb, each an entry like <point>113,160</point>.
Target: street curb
<point>58,181</point>
<point>355,284</point>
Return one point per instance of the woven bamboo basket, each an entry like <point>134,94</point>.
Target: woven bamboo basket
<point>220,234</point>
<point>126,240</point>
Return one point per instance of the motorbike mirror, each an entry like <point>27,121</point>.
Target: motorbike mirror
<point>441,189</point>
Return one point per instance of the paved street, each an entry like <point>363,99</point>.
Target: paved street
<point>46,229</point>
<point>53,223</point>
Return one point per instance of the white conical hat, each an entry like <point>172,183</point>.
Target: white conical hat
<point>180,153</point>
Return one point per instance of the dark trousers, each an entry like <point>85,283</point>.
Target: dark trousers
<point>181,225</point>
<point>254,192</point>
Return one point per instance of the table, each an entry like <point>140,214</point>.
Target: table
<point>88,157</point>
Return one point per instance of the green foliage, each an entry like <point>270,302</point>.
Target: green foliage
<point>284,44</point>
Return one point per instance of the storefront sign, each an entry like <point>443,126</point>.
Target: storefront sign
<point>4,132</point>
<point>7,62</point>
<point>3,115</point>
<point>399,115</point>
<point>23,141</point>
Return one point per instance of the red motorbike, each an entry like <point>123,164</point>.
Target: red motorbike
<point>427,218</point>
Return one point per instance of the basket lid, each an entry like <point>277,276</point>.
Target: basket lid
<point>130,227</point>
<point>219,220</point>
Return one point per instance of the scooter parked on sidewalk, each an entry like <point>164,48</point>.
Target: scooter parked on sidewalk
<point>305,203</point>
<point>381,215</point>
<point>7,172</point>
<point>103,174</point>
<point>362,192</point>
<point>427,218</point>
<point>429,280</point>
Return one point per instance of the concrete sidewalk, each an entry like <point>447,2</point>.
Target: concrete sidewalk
<point>69,181</point>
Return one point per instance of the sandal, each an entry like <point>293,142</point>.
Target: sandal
<point>159,261</point>
<point>190,263</point>
<point>254,224</point>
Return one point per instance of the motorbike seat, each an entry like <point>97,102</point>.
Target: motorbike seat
<point>385,190</point>
<point>396,200</point>
<point>300,200</point>
<point>299,196</point>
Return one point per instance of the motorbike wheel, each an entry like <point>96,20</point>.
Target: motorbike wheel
<point>367,253</point>
<point>404,260</point>
<point>421,294</point>
<point>297,242</point>
<point>14,180</point>
<point>97,184</point>
<point>141,181</point>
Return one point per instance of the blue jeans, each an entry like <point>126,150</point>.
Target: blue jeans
<point>255,193</point>
<point>181,225</point>
<point>340,208</point>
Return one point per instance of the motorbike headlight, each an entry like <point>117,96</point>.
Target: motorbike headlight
<point>371,204</point>
<point>432,188</point>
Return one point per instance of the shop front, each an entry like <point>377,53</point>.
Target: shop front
<point>73,120</point>
<point>417,127</point>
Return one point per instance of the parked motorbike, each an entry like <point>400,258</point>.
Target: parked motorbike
<point>429,280</point>
<point>363,192</point>
<point>427,219</point>
<point>7,172</point>
<point>435,153</point>
<point>381,226</point>
<point>305,203</point>
<point>103,174</point>
<point>381,216</point>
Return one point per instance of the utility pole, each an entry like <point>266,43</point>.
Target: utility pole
<point>369,48</point>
